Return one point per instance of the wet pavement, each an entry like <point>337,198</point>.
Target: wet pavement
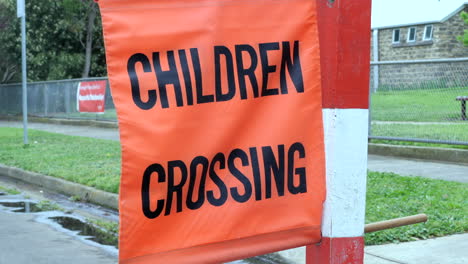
<point>87,230</point>
<point>21,206</point>
<point>63,220</point>
<point>30,235</point>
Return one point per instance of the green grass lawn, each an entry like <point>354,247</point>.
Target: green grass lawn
<point>434,105</point>
<point>96,163</point>
<point>92,162</point>
<point>392,196</point>
<point>453,132</point>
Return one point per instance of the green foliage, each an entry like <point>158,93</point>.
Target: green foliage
<point>9,65</point>
<point>107,232</point>
<point>110,227</point>
<point>464,37</point>
<point>92,162</point>
<point>46,205</point>
<point>9,190</point>
<point>75,198</point>
<point>392,196</point>
<point>56,36</point>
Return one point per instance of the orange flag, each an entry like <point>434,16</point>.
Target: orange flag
<point>220,116</point>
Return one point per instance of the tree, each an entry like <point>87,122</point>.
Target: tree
<point>87,11</point>
<point>464,38</point>
<point>63,38</point>
<point>8,67</point>
<point>92,11</point>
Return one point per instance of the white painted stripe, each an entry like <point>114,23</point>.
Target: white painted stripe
<point>91,86</point>
<point>91,97</point>
<point>346,171</point>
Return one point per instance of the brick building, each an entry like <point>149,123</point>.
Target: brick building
<point>431,38</point>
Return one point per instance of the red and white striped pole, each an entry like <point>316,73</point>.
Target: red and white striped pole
<point>344,28</point>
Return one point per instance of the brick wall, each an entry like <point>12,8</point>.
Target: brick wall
<point>423,76</point>
<point>444,44</point>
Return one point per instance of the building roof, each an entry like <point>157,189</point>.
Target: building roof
<point>398,13</point>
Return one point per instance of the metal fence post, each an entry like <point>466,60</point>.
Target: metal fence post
<point>67,100</point>
<point>22,14</point>
<point>46,100</point>
<point>369,122</point>
<point>375,54</point>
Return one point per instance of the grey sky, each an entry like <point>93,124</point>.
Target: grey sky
<point>400,12</point>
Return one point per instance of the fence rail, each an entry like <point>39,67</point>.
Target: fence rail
<point>419,61</point>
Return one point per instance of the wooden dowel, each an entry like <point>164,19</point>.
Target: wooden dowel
<point>387,224</point>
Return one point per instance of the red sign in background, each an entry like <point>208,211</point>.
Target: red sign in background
<point>91,96</point>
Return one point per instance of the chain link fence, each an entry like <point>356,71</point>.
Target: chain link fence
<point>419,101</point>
<point>52,99</point>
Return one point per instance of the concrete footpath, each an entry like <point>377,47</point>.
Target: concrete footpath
<point>451,249</point>
<point>415,167</point>
<point>84,131</point>
<point>28,233</point>
<point>40,244</point>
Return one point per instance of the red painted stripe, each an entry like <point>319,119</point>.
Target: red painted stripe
<point>344,30</point>
<point>341,250</point>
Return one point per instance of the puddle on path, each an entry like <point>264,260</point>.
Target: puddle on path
<point>93,233</point>
<point>90,232</point>
<point>22,207</point>
<point>83,229</point>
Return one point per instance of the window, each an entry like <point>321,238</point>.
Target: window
<point>427,32</point>
<point>396,35</point>
<point>412,34</point>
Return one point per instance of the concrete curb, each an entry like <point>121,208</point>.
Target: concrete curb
<point>424,153</point>
<point>88,194</point>
<point>69,122</point>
